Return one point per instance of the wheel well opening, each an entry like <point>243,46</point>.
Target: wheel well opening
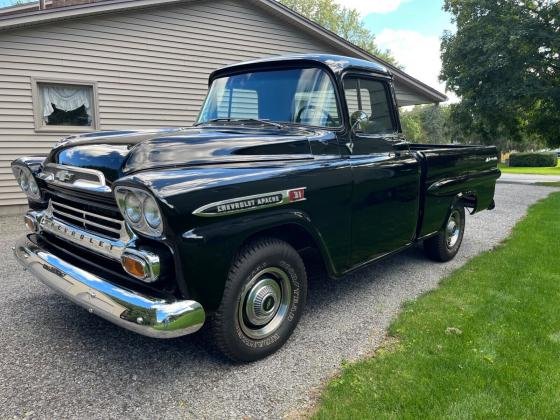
<point>302,241</point>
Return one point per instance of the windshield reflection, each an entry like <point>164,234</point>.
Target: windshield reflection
<point>303,96</point>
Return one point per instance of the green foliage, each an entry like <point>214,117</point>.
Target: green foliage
<point>503,62</point>
<point>533,160</point>
<point>531,171</point>
<point>428,124</point>
<point>485,344</point>
<point>345,22</point>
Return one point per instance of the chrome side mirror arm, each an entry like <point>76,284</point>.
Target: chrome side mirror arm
<point>358,117</point>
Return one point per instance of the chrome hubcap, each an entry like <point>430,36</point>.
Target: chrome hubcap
<point>453,229</point>
<point>264,303</point>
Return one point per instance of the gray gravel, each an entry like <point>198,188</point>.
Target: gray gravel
<point>527,178</point>
<point>58,361</point>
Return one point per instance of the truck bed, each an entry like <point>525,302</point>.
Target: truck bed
<point>449,170</point>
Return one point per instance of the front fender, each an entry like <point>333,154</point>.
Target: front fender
<point>207,252</point>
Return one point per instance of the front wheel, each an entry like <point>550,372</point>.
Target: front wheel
<point>445,245</point>
<point>263,300</point>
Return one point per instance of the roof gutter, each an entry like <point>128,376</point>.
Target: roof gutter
<point>69,12</point>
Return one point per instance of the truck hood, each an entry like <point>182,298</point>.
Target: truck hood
<point>119,153</point>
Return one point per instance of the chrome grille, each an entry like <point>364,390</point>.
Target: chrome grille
<point>89,221</point>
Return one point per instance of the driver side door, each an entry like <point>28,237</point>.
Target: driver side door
<point>386,175</point>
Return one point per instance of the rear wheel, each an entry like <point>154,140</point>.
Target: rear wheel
<point>263,300</point>
<point>445,245</point>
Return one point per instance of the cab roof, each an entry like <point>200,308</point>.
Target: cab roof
<point>336,63</point>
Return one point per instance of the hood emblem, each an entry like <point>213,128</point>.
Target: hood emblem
<point>64,176</point>
<point>75,177</point>
<point>250,203</point>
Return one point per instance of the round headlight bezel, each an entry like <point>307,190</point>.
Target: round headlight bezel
<point>140,225</point>
<point>27,182</point>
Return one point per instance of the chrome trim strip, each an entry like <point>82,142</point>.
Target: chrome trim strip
<point>251,203</point>
<point>101,245</point>
<point>143,314</point>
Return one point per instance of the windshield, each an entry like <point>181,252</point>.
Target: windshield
<point>295,96</point>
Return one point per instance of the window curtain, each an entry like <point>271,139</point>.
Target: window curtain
<point>65,98</point>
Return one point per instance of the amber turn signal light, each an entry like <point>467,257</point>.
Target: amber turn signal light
<point>30,222</point>
<point>135,266</point>
<point>142,264</point>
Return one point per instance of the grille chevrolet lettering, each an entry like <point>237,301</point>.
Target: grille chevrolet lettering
<point>105,240</point>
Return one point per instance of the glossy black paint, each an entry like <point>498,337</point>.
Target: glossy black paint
<point>366,196</point>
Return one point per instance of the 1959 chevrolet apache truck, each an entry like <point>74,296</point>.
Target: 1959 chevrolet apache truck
<point>162,231</point>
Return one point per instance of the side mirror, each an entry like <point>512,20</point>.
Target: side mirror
<point>357,118</point>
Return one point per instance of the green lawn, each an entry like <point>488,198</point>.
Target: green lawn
<point>485,344</point>
<point>535,171</point>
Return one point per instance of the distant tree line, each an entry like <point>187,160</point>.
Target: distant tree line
<point>435,124</point>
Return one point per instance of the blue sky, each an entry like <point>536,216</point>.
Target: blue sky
<point>411,30</point>
<point>424,16</point>
<point>4,3</point>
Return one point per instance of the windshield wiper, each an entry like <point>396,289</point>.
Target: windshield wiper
<point>243,120</point>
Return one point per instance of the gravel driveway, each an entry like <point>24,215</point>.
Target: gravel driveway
<point>57,361</point>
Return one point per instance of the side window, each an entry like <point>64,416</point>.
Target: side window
<point>369,96</point>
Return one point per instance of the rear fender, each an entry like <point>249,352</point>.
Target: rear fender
<point>474,191</point>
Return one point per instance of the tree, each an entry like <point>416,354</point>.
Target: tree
<point>428,124</point>
<point>345,22</point>
<point>503,62</point>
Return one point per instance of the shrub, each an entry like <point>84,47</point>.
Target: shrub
<point>533,159</point>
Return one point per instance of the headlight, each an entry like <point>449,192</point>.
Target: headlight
<point>151,212</point>
<point>133,207</point>
<point>140,210</point>
<point>27,182</point>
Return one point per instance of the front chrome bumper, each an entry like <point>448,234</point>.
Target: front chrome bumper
<point>142,314</point>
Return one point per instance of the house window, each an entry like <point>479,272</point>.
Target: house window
<point>64,106</point>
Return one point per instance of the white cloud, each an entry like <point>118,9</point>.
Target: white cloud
<point>366,7</point>
<point>419,55</point>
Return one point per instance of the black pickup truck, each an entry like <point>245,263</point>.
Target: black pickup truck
<point>292,159</point>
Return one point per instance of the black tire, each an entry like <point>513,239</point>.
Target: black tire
<point>239,326</point>
<point>445,245</point>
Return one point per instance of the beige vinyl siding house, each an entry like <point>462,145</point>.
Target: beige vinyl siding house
<point>144,64</point>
